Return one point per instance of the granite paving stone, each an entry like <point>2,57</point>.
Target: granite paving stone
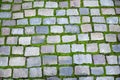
<point>59,39</point>
<point>35,72</point>
<point>33,61</point>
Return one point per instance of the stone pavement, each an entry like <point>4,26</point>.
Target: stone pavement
<point>60,40</point>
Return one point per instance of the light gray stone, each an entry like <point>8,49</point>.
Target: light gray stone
<point>84,11</point>
<point>47,49</point>
<point>63,48</point>
<point>20,73</point>
<point>99,59</point>
<point>97,70</point>
<point>112,59</point>
<point>22,22</point>
<point>86,28</point>
<point>17,15</point>
<point>42,30</point>
<point>4,50</point>
<point>108,11</point>
<point>17,31</point>
<point>62,20</point>
<point>81,59</point>
<point>106,3</point>
<point>12,40</point>
<point>35,21</point>
<point>95,11</point>
<point>17,61</point>
<point>100,27</point>
<point>114,28</point>
<point>32,51</point>
<point>98,19</point>
<point>97,36</point>
<point>50,20</point>
<point>16,7</point>
<point>116,48</point>
<point>78,48</point>
<point>83,37</point>
<point>51,4</point>
<point>17,50</point>
<point>104,48</point>
<point>25,40</point>
<point>93,3</point>
<point>27,5</point>
<point>72,29</point>
<point>82,70</point>
<point>33,61</point>
<point>72,12</point>
<point>111,38</point>
<point>29,30</point>
<point>105,78</point>
<point>61,12</point>
<point>49,59</point>
<point>53,39</point>
<point>3,61</point>
<point>5,15</point>
<point>86,78</point>
<point>65,60</point>
<point>74,19</point>
<point>5,72</point>
<point>66,71</point>
<point>44,12</point>
<point>8,23</point>
<point>112,20</point>
<point>38,39</point>
<point>35,72</point>
<point>68,38</point>
<point>2,40</point>
<point>56,29</point>
<point>38,4</point>
<point>5,31</point>
<point>92,47</point>
<point>50,71</point>
<point>63,4</point>
<point>112,70</point>
<point>30,13</point>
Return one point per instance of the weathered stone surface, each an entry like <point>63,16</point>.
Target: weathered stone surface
<point>20,73</point>
<point>29,30</point>
<point>68,38</point>
<point>38,39</point>
<point>93,3</point>
<point>3,61</point>
<point>104,48</point>
<point>106,3</point>
<point>105,78</point>
<point>74,19</point>
<point>99,59</point>
<point>66,71</point>
<point>51,20</point>
<point>65,60</point>
<point>62,20</point>
<point>42,30</point>
<point>5,15</point>
<point>29,13</point>
<point>17,50</point>
<point>97,36</point>
<point>44,12</point>
<point>25,40</point>
<point>53,39</point>
<point>4,50</point>
<point>12,40</point>
<point>81,59</point>
<point>9,23</point>
<point>72,29</point>
<point>86,78</point>
<point>33,61</point>
<point>35,21</point>
<point>82,70</point>
<point>112,70</point>
<point>35,72</point>
<point>78,48</point>
<point>116,48</point>
<point>50,71</point>
<point>72,12</point>
<point>63,48</point>
<point>111,37</point>
<point>47,49</point>
<point>49,59</point>
<point>56,29</point>
<point>17,31</point>
<point>51,4</point>
<point>5,72</point>
<point>112,59</point>
<point>92,47</point>
<point>97,70</point>
<point>83,37</point>
<point>38,4</point>
<point>32,51</point>
<point>86,28</point>
<point>17,61</point>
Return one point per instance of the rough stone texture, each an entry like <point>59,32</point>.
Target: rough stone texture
<point>86,28</point>
<point>32,51</point>
<point>53,39</point>
<point>29,13</point>
<point>65,60</point>
<point>9,23</point>
<point>29,30</point>
<point>105,78</point>
<point>92,47</point>
<point>12,40</point>
<point>112,70</point>
<point>33,61</point>
<point>112,59</point>
<point>47,49</point>
<point>44,12</point>
<point>51,20</point>
<point>3,61</point>
<point>83,37</point>
<point>49,59</point>
<point>35,72</point>
<point>20,73</point>
<point>50,71</point>
<point>97,70</point>
<point>42,29</point>
<point>72,12</point>
<point>63,48</point>
<point>74,19</point>
<point>5,72</point>
<point>72,29</point>
<point>78,48</point>
<point>62,20</point>
<point>97,36</point>
<point>38,39</point>
<point>104,48</point>
<point>66,71</point>
<point>35,21</point>
<point>56,29</point>
<point>68,38</point>
<point>82,70</point>
<point>25,40</point>
<point>17,61</point>
<point>86,78</point>
<point>99,59</point>
<point>17,50</point>
<point>81,59</point>
<point>110,37</point>
<point>116,48</point>
<point>51,4</point>
<point>4,50</point>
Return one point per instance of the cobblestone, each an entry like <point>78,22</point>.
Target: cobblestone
<point>59,40</point>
